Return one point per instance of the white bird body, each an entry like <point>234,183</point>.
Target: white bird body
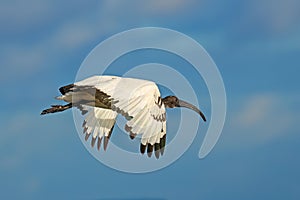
<point>104,97</point>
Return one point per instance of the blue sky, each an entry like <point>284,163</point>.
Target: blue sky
<point>255,44</point>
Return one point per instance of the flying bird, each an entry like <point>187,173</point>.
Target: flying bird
<point>102,98</point>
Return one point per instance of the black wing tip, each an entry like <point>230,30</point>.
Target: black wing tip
<point>157,148</point>
<point>157,154</point>
<point>99,143</point>
<point>97,138</point>
<point>65,89</point>
<point>93,141</point>
<point>132,136</point>
<point>87,135</point>
<point>106,140</point>
<point>84,123</point>
<point>162,144</point>
<point>149,150</point>
<point>142,148</point>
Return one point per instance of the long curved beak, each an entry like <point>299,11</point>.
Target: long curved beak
<point>192,107</point>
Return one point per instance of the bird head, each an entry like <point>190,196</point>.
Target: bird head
<point>173,101</point>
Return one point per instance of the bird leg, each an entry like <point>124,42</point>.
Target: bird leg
<point>56,108</point>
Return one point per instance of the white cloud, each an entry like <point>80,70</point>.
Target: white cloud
<point>20,61</point>
<point>18,15</point>
<point>27,136</point>
<point>255,110</point>
<point>260,119</point>
<point>69,34</point>
<point>274,16</point>
<point>72,35</point>
<point>145,8</point>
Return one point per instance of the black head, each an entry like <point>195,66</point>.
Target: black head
<point>172,102</point>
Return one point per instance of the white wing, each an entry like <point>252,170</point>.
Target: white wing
<point>149,120</point>
<point>140,103</point>
<point>99,123</point>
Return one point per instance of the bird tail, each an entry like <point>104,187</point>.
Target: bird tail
<point>60,97</point>
<point>56,108</point>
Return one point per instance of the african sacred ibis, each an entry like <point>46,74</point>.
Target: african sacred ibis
<point>102,98</point>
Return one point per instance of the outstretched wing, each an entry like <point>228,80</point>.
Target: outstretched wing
<point>140,103</point>
<point>150,123</point>
<point>99,124</point>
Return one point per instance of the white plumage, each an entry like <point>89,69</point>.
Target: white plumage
<point>139,101</point>
<point>134,98</point>
<point>99,123</point>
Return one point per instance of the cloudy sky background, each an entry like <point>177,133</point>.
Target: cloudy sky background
<point>255,44</point>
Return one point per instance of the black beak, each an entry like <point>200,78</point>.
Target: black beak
<point>192,107</point>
